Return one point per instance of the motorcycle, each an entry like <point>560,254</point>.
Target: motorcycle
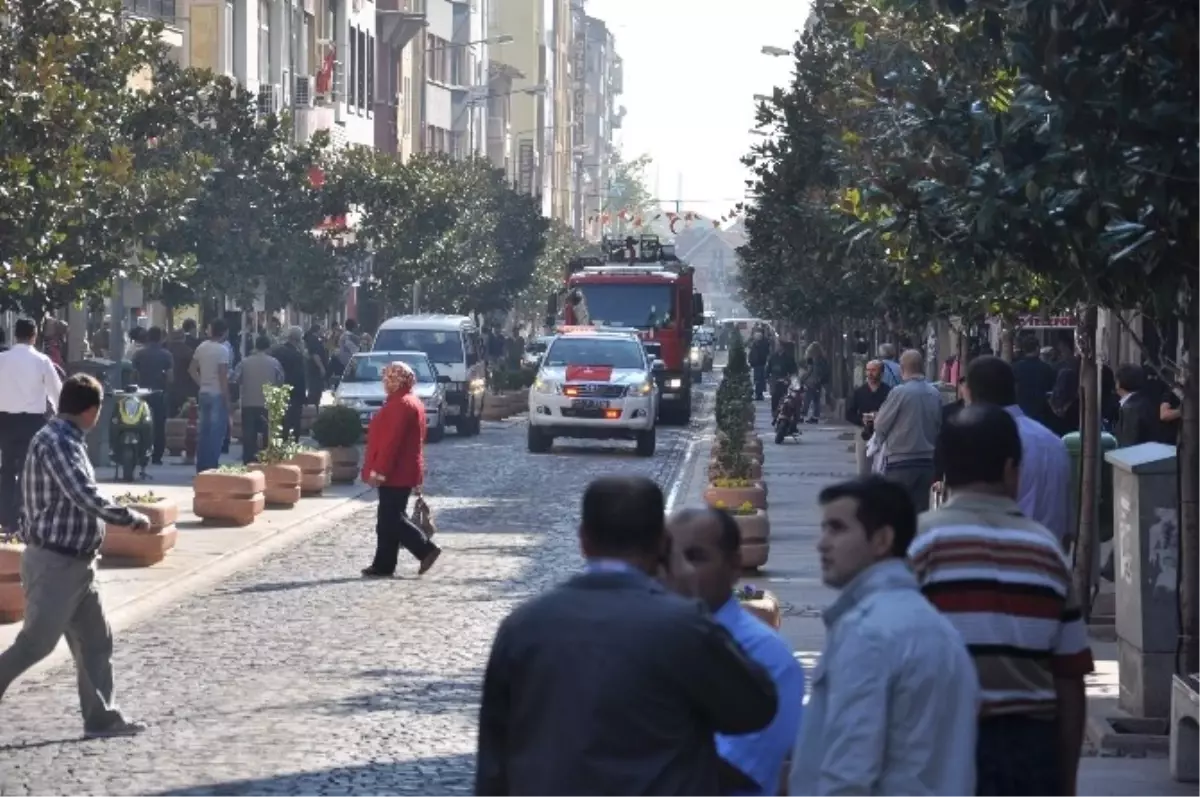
<point>787,420</point>
<point>131,433</point>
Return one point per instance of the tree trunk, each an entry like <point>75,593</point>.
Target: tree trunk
<point>1189,512</point>
<point>1006,340</point>
<point>1089,429</point>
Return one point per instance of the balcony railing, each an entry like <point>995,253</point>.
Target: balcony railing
<point>155,9</point>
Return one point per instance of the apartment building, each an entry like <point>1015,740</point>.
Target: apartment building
<point>456,77</point>
<point>400,25</point>
<point>598,116</point>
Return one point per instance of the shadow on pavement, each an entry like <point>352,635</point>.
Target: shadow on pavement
<point>448,774</point>
<point>283,586</point>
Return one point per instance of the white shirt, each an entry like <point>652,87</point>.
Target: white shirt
<point>1045,487</point>
<point>209,357</point>
<point>29,379</point>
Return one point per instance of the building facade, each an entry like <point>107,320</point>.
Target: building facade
<point>598,116</point>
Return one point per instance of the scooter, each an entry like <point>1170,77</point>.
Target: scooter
<point>131,433</point>
<point>787,420</point>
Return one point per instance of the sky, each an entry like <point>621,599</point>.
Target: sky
<point>691,72</point>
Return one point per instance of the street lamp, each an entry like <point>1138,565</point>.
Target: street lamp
<point>775,52</point>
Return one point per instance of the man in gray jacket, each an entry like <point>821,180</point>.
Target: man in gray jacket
<point>253,374</point>
<point>907,426</point>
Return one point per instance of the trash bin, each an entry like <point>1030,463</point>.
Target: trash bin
<point>1074,443</point>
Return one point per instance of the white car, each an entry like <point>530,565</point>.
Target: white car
<point>361,387</point>
<point>596,385</point>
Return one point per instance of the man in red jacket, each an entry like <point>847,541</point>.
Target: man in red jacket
<point>395,465</point>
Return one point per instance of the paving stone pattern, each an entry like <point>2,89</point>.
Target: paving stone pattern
<point>296,676</point>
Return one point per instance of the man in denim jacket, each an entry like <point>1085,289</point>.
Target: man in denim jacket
<point>895,696</point>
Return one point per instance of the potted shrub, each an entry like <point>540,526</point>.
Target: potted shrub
<point>755,533</point>
<point>760,603</point>
<point>12,596</point>
<point>143,547</point>
<point>283,479</point>
<point>230,495</point>
<point>338,430</point>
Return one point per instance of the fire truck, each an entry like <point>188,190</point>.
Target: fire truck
<point>638,283</point>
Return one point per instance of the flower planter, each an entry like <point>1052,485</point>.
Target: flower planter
<point>142,548</point>
<point>12,596</point>
<point>753,446</point>
<point>753,469</point>
<point>518,402</point>
<point>495,407</point>
<point>736,496</point>
<point>283,483</point>
<point>176,436</point>
<point>343,464</point>
<point>766,609</point>
<point>315,473</point>
<point>233,499</point>
<point>755,539</point>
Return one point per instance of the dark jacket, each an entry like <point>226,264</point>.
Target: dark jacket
<point>759,351</point>
<point>610,684</point>
<point>294,368</point>
<point>1138,422</point>
<point>864,400</point>
<point>782,365</point>
<point>1035,381</point>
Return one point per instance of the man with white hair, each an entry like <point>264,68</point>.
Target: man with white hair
<point>907,426</point>
<point>891,369</point>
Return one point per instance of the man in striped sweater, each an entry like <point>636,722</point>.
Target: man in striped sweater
<point>1003,581</point>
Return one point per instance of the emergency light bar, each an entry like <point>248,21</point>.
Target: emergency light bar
<point>574,329</point>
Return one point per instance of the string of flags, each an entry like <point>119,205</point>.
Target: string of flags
<point>675,221</point>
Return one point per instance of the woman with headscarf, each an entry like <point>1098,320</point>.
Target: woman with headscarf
<point>395,465</point>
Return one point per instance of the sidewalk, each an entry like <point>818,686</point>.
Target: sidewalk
<point>794,474</point>
<point>202,552</point>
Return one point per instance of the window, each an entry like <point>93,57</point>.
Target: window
<point>156,9</point>
<point>370,72</point>
<point>352,72</point>
<point>229,38</point>
<point>405,106</point>
<point>264,41</point>
<point>362,69</point>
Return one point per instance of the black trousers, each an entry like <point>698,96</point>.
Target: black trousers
<point>295,411</point>
<point>393,528</point>
<point>157,402</point>
<point>1017,755</point>
<point>779,389</point>
<point>254,432</point>
<point>16,432</point>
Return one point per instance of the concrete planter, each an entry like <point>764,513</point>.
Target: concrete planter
<point>755,535</point>
<point>495,407</point>
<point>145,547</point>
<point>733,497</point>
<point>343,464</point>
<point>315,467</point>
<point>283,483</point>
<point>753,469</point>
<point>766,609</point>
<point>12,596</point>
<point>231,499</point>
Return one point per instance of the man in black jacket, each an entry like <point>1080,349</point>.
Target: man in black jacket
<point>291,356</point>
<point>1138,421</point>
<point>1035,382</point>
<point>756,357</point>
<point>781,367</point>
<point>609,683</point>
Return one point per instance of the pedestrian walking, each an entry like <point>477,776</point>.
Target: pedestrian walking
<point>154,367</point>
<point>31,387</point>
<point>891,368</point>
<point>210,370</point>
<point>1138,416</point>
<point>290,355</point>
<point>395,465</point>
<point>252,375</point>
<point>906,426</point>
<point>347,346</point>
<point>709,541</point>
<point>864,402</point>
<point>781,367</point>
<point>816,379</point>
<point>1044,490</point>
<point>1035,380</point>
<point>756,358</point>
<point>63,528</point>
<point>1002,579</point>
<point>317,362</point>
<point>609,683</point>
<point>895,695</point>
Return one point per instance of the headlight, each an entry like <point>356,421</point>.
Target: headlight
<point>674,383</point>
<point>545,386</point>
<point>352,403</point>
<point>476,385</point>
<point>642,389</point>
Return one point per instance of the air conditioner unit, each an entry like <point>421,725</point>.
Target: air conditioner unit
<point>270,98</point>
<point>302,96</point>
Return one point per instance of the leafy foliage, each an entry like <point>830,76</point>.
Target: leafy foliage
<point>337,427</point>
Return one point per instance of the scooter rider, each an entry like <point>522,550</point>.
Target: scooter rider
<point>781,367</point>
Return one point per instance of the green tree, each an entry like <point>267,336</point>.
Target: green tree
<point>627,192</point>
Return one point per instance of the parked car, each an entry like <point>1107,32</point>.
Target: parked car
<point>361,387</point>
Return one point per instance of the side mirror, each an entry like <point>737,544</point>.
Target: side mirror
<point>658,365</point>
<point>697,309</point>
<point>443,379</point>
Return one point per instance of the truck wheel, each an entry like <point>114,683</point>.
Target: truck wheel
<point>539,443</point>
<point>646,441</point>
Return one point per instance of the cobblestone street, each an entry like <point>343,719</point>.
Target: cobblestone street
<point>295,676</point>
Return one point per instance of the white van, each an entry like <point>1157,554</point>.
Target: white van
<point>453,344</point>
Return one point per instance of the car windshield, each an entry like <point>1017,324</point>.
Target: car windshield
<point>642,305</point>
<point>441,346</point>
<point>613,353</point>
<point>703,337</point>
<point>369,367</point>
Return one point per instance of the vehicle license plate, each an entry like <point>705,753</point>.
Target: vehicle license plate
<point>589,404</point>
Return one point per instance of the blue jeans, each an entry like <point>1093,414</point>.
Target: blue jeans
<point>212,424</point>
<point>812,402</point>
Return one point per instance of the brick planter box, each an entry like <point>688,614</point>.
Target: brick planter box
<point>12,597</point>
<point>755,535</point>
<point>142,548</point>
<point>231,499</point>
<point>315,473</point>
<point>733,497</point>
<point>283,483</point>
<point>343,464</point>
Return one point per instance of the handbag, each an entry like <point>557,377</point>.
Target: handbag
<point>422,518</point>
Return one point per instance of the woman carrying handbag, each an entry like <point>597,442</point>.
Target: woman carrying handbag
<point>395,465</point>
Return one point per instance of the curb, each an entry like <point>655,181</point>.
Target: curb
<point>141,606</point>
